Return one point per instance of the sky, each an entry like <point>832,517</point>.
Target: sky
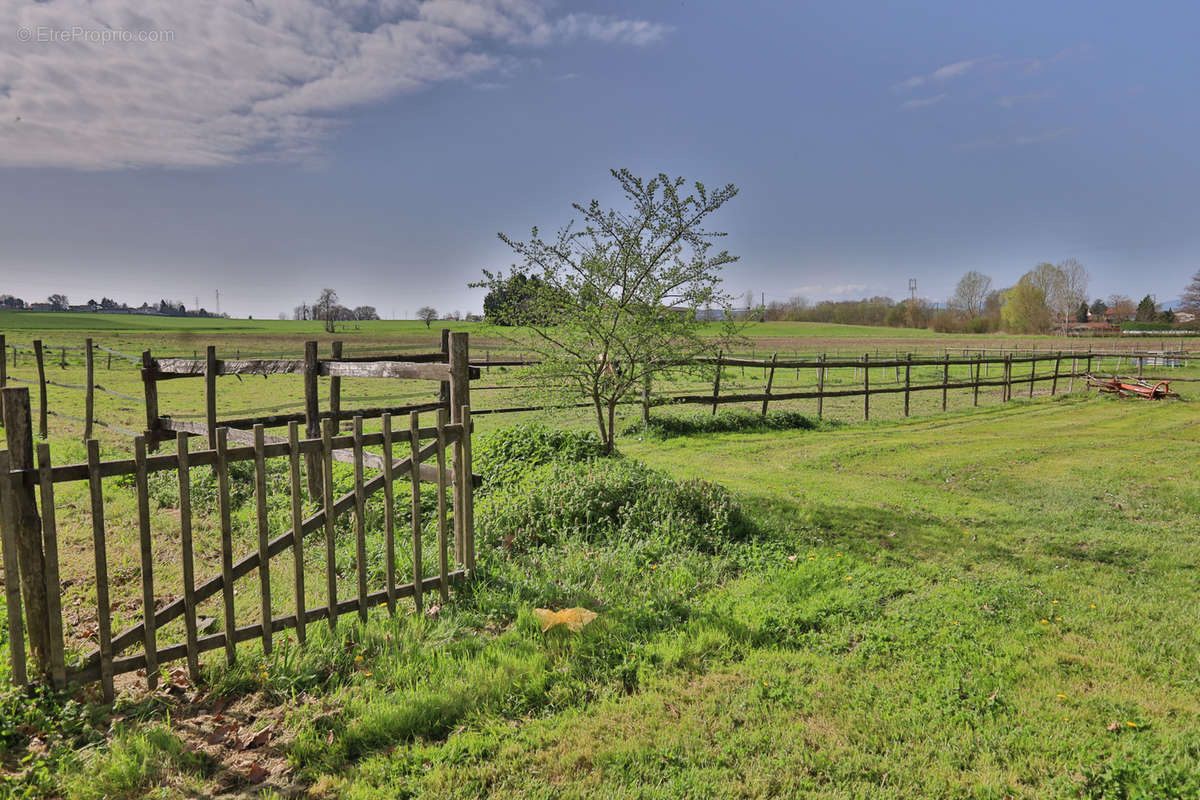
<point>268,148</point>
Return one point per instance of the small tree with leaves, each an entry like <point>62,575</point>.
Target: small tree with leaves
<point>619,298</point>
<point>1147,310</point>
<point>427,314</point>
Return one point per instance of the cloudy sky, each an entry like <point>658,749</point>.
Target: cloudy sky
<point>267,148</point>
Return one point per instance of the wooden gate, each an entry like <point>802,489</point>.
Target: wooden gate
<point>438,453</point>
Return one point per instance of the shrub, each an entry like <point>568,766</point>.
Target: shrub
<point>725,422</point>
<point>605,502</point>
<point>503,456</point>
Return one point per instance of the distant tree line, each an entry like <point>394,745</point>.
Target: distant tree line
<point>59,302</point>
<point>327,309</point>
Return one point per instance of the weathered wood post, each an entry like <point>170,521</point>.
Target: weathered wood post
<point>945,377</point>
<point>907,380</point>
<point>62,358</point>
<point>210,394</point>
<point>42,411</point>
<point>312,420</point>
<point>444,387</point>
<point>3,362</point>
<point>335,385</point>
<point>770,381</point>
<point>1007,393</point>
<point>460,396</point>
<point>89,397</point>
<point>866,388</point>
<point>1054,381</point>
<point>150,390</point>
<point>820,385</point>
<point>18,431</point>
<point>978,364</point>
<point>12,584</point>
<point>1032,372</point>
<point>716,385</point>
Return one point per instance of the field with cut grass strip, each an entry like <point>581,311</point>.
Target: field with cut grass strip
<point>990,603</point>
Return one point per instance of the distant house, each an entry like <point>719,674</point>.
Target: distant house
<point>84,307</point>
<point>42,307</point>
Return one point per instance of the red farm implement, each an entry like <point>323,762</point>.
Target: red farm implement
<point>1132,387</point>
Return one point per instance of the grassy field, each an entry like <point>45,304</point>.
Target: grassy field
<point>993,602</point>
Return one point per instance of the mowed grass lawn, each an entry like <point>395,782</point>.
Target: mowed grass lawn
<point>999,603</point>
<point>991,603</point>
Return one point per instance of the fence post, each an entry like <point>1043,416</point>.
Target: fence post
<point>54,620</point>
<point>12,584</point>
<point>1054,382</point>
<point>907,380</point>
<point>89,398</point>
<point>866,388</point>
<point>1074,369</point>
<point>335,385</point>
<point>312,423</point>
<point>1007,394</point>
<point>460,396</point>
<point>210,394</point>
<point>820,385</point>
<point>716,384</point>
<point>41,371</point>
<point>1032,371</point>
<point>3,362</point>
<point>978,363</point>
<point>444,387</point>
<point>150,387</point>
<point>468,493</point>
<point>945,377</point>
<point>414,439</point>
<point>770,380</point>
<point>18,430</point>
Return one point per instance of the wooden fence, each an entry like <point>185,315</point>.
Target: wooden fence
<point>1066,366</point>
<point>30,542</point>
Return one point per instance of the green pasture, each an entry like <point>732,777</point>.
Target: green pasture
<point>990,602</point>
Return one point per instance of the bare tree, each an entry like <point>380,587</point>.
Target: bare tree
<point>970,293</point>
<point>427,314</point>
<point>1073,288</point>
<point>1120,306</point>
<point>1191,296</point>
<point>324,308</point>
<point>363,313</point>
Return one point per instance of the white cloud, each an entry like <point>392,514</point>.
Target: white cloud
<point>955,70</point>
<point>922,102</point>
<point>944,73</point>
<point>110,84</point>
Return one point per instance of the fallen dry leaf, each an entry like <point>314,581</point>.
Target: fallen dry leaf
<point>573,618</point>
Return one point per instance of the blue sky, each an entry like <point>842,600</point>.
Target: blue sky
<point>269,149</point>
